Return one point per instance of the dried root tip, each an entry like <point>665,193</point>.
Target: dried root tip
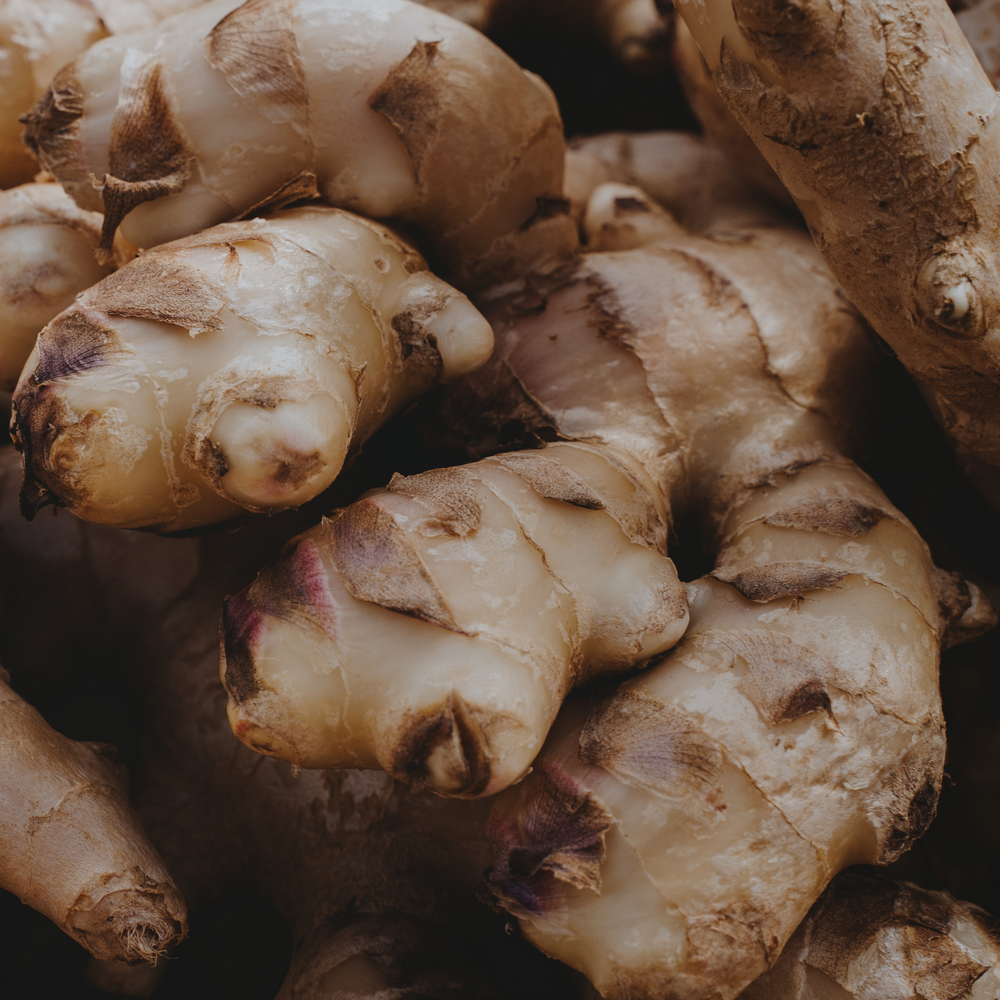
<point>966,612</point>
<point>446,752</point>
<point>129,926</point>
<point>387,956</point>
<point>51,126</point>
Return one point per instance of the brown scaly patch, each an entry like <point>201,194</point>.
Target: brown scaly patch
<point>302,187</point>
<point>417,347</point>
<point>378,564</point>
<point>628,205</point>
<point>863,916</point>
<point>239,628</point>
<point>452,734</point>
<point>255,48</point>
<point>653,746</point>
<point>149,155</point>
<point>74,342</point>
<point>455,506</point>
<point>779,579</point>
<point>964,610</point>
<point>909,801</point>
<point>840,516</point>
<point>52,125</point>
<point>550,479</point>
<point>553,831</point>
<point>733,945</point>
<point>409,98</point>
<point>785,680</point>
<point>155,287</point>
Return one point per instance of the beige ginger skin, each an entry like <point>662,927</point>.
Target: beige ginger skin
<point>72,847</point>
<point>47,246</point>
<point>673,833</point>
<point>382,107</point>
<point>884,128</point>
<point>38,38</point>
<point>234,370</point>
<point>867,937</point>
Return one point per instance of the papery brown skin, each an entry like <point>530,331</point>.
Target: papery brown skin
<point>234,370</point>
<point>868,937</point>
<point>421,120</point>
<point>882,125</point>
<point>674,832</point>
<point>47,246</point>
<point>72,847</point>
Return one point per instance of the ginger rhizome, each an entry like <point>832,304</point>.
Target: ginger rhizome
<point>884,128</point>
<point>671,836</point>
<point>380,106</point>
<point>868,937</point>
<point>433,628</point>
<point>234,370</point>
<point>47,246</point>
<point>71,845</point>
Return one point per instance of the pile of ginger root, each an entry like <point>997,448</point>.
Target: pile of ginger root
<point>505,567</point>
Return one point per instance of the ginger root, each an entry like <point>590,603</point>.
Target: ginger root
<point>234,370</point>
<point>229,107</point>
<point>72,847</point>
<point>884,128</point>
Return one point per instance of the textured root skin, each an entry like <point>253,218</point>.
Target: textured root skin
<point>855,108</point>
<point>696,814</point>
<point>422,562</point>
<point>47,249</point>
<point>72,846</point>
<point>873,937</point>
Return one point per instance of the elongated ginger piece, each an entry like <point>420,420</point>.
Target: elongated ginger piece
<point>72,847</point>
<point>869,937</point>
<point>380,106</point>
<point>47,246</point>
<point>884,128</point>
<point>234,370</point>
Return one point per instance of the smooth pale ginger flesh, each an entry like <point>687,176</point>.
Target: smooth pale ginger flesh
<point>235,370</point>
